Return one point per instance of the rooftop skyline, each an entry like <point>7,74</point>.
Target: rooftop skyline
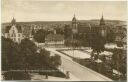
<point>25,11</point>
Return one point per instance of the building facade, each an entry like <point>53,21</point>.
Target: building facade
<point>14,32</point>
<point>54,39</point>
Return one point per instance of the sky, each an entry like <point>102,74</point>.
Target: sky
<point>37,10</point>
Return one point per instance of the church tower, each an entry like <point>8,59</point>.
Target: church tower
<point>103,29</point>
<point>74,25</point>
<point>102,22</point>
<point>13,22</point>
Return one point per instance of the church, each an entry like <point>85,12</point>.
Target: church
<point>86,28</point>
<point>14,32</point>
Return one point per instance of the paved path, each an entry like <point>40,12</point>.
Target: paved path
<point>79,71</point>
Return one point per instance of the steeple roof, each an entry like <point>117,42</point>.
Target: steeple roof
<point>102,22</point>
<point>74,18</point>
<point>13,21</point>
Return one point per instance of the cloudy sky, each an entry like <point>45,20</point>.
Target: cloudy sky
<point>37,10</point>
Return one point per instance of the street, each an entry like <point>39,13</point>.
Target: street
<point>78,70</point>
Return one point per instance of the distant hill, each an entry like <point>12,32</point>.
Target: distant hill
<point>41,22</point>
<point>93,21</point>
<point>61,23</point>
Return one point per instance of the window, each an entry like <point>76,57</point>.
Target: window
<point>8,35</point>
<point>14,39</point>
<point>18,35</point>
<point>13,31</point>
<point>14,35</point>
<point>18,39</point>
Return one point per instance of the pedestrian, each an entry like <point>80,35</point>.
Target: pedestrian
<point>67,75</point>
<point>46,76</point>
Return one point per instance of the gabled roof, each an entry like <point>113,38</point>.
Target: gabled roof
<point>102,22</point>
<point>74,19</point>
<point>9,27</point>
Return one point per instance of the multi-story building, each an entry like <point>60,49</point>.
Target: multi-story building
<point>14,32</point>
<point>84,28</point>
<point>54,39</point>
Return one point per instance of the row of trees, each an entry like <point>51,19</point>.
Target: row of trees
<point>24,56</point>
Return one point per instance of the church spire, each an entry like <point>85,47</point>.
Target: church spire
<point>74,19</point>
<point>102,22</point>
<point>102,15</point>
<point>13,22</point>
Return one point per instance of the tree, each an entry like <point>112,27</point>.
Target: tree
<point>119,60</point>
<point>10,75</point>
<point>40,35</point>
<point>59,31</point>
<point>119,44</point>
<point>67,32</point>
<point>56,60</point>
<point>6,46</point>
<point>27,46</point>
<point>97,44</point>
<point>44,58</point>
<point>46,61</point>
<point>123,68</point>
<point>110,37</point>
<point>28,51</point>
<point>10,54</point>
